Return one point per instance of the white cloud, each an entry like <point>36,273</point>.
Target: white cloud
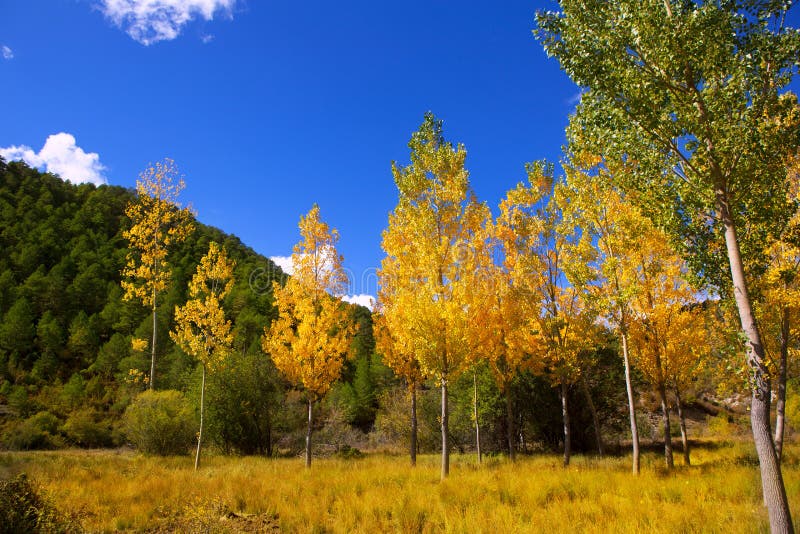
<point>60,155</point>
<point>363,300</point>
<point>284,262</point>
<point>150,21</point>
<point>576,98</point>
<point>7,52</point>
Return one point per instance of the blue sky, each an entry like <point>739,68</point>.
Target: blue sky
<point>268,107</point>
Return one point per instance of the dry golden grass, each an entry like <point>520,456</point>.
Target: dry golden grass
<point>112,491</point>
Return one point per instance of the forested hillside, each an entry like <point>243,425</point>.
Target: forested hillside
<point>65,338</point>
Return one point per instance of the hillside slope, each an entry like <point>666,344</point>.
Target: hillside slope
<point>65,330</point>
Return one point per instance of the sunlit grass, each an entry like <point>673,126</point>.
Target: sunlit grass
<point>121,491</point>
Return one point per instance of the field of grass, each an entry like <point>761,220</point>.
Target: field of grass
<point>114,490</point>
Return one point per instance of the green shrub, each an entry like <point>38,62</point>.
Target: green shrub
<point>37,432</point>
<point>24,509</point>
<point>83,429</point>
<point>160,422</point>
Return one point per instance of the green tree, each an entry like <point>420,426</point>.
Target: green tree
<point>244,398</point>
<point>82,342</point>
<point>690,94</point>
<point>50,342</point>
<point>17,330</point>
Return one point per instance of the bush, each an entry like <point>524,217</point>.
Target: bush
<point>83,429</point>
<point>37,432</point>
<point>160,422</point>
<point>242,402</point>
<point>24,509</point>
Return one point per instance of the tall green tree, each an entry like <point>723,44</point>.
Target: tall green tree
<point>17,330</point>
<point>690,93</point>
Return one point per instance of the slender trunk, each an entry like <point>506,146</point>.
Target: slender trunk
<point>445,444</point>
<point>662,392</point>
<point>774,491</point>
<point>565,415</point>
<point>631,405</point>
<point>413,424</point>
<point>684,436</point>
<point>308,434</point>
<point>780,404</point>
<point>475,411</point>
<point>510,434</point>
<point>153,347</point>
<point>595,420</point>
<point>259,436</point>
<point>202,406</point>
<point>269,436</point>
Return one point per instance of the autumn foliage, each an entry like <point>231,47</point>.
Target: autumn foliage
<point>310,338</point>
<point>157,224</point>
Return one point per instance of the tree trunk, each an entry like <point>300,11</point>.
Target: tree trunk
<point>631,402</point>
<point>445,444</point>
<point>510,434</point>
<point>684,436</point>
<point>780,519</point>
<point>565,415</point>
<point>153,349</point>
<point>475,411</point>
<point>780,404</point>
<point>413,424</point>
<point>308,434</point>
<point>269,436</point>
<point>662,392</point>
<point>202,406</point>
<point>595,419</point>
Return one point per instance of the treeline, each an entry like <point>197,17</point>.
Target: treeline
<point>69,367</point>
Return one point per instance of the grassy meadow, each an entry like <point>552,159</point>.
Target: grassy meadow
<point>105,491</point>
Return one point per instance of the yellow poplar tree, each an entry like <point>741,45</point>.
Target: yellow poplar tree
<point>426,273</point>
<point>605,265</point>
<point>403,364</point>
<point>201,329</point>
<point>562,319</point>
<point>781,299</point>
<point>687,348</point>
<point>157,223</point>
<point>662,312</point>
<point>311,336</point>
<point>501,334</point>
